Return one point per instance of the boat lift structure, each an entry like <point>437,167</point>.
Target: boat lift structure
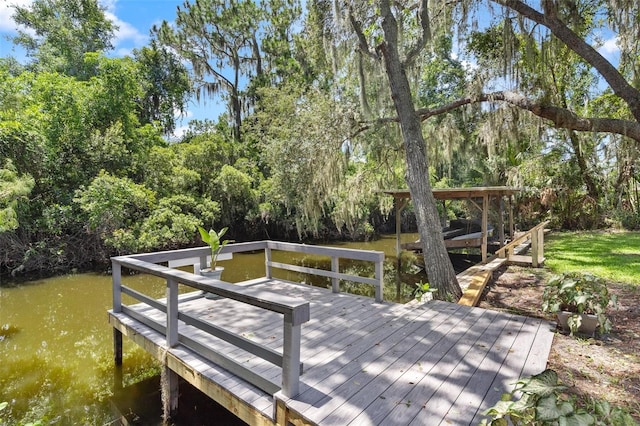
<point>481,198</point>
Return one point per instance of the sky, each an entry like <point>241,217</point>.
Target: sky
<point>134,19</point>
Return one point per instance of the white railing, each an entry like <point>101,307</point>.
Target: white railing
<point>536,237</point>
<point>295,311</point>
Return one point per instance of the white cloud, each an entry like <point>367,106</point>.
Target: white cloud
<point>7,24</point>
<point>126,31</point>
<point>178,133</point>
<point>610,47</point>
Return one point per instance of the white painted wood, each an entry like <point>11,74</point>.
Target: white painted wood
<point>325,273</point>
<point>291,360</point>
<point>371,256</point>
<point>116,279</point>
<point>335,268</point>
<point>379,286</point>
<point>188,261</point>
<point>172,312</point>
<point>267,263</point>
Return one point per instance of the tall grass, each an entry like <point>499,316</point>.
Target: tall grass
<point>612,255</point>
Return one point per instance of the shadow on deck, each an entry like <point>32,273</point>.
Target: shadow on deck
<point>364,362</point>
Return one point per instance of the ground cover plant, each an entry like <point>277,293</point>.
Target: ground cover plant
<point>612,255</point>
<point>604,368</point>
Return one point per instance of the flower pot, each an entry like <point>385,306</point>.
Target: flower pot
<point>588,326</point>
<point>213,274</point>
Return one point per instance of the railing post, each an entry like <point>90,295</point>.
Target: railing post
<point>267,261</point>
<point>335,267</point>
<point>116,277</point>
<point>540,244</point>
<point>534,249</point>
<point>291,358</point>
<point>380,280</point>
<point>172,312</point>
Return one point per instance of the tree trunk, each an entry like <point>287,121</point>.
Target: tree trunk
<point>436,259</point>
<point>590,183</point>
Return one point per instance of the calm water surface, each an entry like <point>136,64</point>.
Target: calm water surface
<point>56,345</point>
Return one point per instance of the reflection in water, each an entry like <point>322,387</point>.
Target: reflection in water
<point>56,360</point>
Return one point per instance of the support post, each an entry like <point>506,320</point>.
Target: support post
<point>116,278</point>
<point>380,280</point>
<point>398,203</point>
<point>485,221</point>
<point>512,231</point>
<point>501,221</point>
<point>170,393</point>
<point>540,244</point>
<point>534,249</point>
<point>291,358</point>
<point>335,267</point>
<point>117,357</point>
<point>267,262</point>
<point>172,313</point>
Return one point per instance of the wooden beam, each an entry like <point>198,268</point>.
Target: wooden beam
<point>472,294</point>
<point>117,357</point>
<point>170,393</point>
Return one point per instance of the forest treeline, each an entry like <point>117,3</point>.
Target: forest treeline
<point>89,166</point>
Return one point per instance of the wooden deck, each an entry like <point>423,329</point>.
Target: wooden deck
<point>364,362</point>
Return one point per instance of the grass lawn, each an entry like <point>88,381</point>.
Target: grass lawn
<point>612,255</point>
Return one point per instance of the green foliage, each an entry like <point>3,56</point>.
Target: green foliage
<point>166,86</point>
<point>423,289</point>
<point>609,255</point>
<point>214,239</point>
<point>57,33</point>
<point>579,294</point>
<point>13,189</point>
<point>112,203</point>
<point>233,188</point>
<point>171,224</point>
<point>542,403</point>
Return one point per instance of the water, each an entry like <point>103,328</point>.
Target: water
<point>56,355</point>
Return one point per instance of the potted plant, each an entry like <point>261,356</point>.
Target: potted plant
<point>580,301</point>
<point>214,239</point>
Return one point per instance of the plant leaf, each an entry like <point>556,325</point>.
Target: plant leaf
<point>204,235</point>
<point>542,384</point>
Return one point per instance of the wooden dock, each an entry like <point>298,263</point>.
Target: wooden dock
<point>363,362</point>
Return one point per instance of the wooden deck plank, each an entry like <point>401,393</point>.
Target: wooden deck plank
<point>375,358</point>
<point>514,364</point>
<point>428,358</point>
<point>364,361</point>
<point>369,395</point>
<point>464,375</point>
<point>471,400</point>
<point>477,283</point>
<point>420,388</point>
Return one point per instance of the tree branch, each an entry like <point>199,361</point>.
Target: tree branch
<point>562,118</point>
<point>616,81</point>
<point>423,16</point>
<point>362,40</point>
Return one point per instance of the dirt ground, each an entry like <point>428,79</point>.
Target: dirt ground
<point>606,367</point>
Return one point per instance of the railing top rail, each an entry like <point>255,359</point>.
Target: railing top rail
<point>295,310</point>
<point>523,237</point>
<point>165,256</point>
<point>372,256</point>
